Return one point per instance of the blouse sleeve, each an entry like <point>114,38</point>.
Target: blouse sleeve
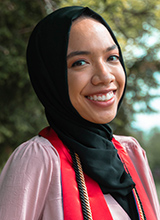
<point>25,181</point>
<point>142,166</point>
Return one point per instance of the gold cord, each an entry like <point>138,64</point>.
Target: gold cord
<point>84,187</point>
<point>139,205</point>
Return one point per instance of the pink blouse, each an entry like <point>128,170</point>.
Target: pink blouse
<point>30,183</point>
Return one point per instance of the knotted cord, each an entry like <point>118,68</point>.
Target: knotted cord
<point>82,187</point>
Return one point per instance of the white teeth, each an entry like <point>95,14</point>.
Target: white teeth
<point>99,98</point>
<point>95,98</point>
<point>109,95</point>
<point>102,98</point>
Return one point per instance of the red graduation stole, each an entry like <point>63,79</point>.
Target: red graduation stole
<point>71,199</point>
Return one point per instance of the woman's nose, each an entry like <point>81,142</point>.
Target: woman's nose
<point>102,74</point>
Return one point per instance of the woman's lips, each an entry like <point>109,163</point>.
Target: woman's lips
<point>102,97</point>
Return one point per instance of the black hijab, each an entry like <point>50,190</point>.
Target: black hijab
<point>47,65</point>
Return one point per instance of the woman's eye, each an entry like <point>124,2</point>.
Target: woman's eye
<point>113,58</point>
<point>79,63</point>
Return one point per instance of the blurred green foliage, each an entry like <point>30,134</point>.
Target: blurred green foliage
<point>152,147</point>
<point>21,114</point>
<point>133,21</point>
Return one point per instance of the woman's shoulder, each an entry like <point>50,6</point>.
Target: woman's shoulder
<point>130,144</point>
<point>34,155</point>
<point>127,140</point>
<point>37,147</point>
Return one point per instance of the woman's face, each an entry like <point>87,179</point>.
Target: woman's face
<point>96,78</point>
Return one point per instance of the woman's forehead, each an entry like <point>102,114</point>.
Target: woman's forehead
<point>86,32</point>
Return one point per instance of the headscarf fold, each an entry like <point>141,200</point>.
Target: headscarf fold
<point>47,66</point>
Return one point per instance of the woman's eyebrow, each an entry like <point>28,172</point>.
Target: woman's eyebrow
<point>114,46</point>
<point>76,53</point>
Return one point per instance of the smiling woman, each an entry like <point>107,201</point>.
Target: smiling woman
<point>76,168</point>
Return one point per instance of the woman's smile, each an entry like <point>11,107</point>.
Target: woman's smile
<point>101,97</point>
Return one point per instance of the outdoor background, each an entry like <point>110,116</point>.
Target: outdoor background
<point>136,24</point>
